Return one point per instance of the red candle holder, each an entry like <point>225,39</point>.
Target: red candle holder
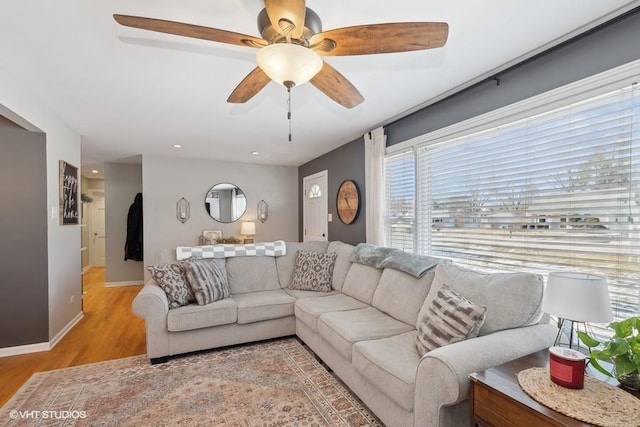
<point>566,367</point>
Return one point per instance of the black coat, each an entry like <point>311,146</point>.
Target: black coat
<point>133,245</point>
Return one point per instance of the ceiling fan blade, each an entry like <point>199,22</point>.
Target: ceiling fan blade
<point>380,38</point>
<point>249,86</point>
<point>337,87</point>
<point>285,13</point>
<point>189,30</point>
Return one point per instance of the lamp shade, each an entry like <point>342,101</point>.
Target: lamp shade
<point>578,297</point>
<point>248,228</point>
<point>285,62</point>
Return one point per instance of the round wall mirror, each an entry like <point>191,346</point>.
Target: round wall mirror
<point>225,202</point>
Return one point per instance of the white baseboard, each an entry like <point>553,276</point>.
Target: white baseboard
<point>24,349</point>
<point>66,329</point>
<point>130,283</point>
<point>43,346</point>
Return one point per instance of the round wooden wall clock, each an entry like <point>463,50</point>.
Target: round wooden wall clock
<point>348,201</point>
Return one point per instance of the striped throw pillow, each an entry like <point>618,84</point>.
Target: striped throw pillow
<point>207,280</point>
<point>449,318</point>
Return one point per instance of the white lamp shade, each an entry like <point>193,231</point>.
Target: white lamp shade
<point>248,228</point>
<point>578,297</point>
<point>284,62</point>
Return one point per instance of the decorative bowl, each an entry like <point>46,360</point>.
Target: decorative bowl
<point>630,381</point>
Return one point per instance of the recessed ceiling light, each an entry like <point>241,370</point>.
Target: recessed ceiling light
<point>95,171</point>
<point>255,153</point>
<point>177,146</point>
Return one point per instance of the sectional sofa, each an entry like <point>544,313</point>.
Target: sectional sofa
<point>365,328</point>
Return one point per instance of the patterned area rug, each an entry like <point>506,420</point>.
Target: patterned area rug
<point>274,383</point>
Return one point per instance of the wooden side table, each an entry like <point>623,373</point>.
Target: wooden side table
<point>496,398</point>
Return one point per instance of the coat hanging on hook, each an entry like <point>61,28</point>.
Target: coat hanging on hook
<point>133,246</point>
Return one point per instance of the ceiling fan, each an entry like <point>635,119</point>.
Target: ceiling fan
<point>292,40</point>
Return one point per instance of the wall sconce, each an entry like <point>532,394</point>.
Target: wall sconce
<point>248,229</point>
<point>263,211</point>
<point>183,210</point>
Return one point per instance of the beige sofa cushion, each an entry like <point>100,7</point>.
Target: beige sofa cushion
<point>249,274</point>
<point>194,316</point>
<point>308,310</point>
<point>513,300</point>
<point>264,305</point>
<point>401,295</point>
<point>390,364</point>
<point>342,329</point>
<point>299,294</point>
<point>286,264</point>
<point>361,282</point>
<point>342,264</point>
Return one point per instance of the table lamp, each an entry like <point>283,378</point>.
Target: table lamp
<point>248,229</point>
<point>576,298</point>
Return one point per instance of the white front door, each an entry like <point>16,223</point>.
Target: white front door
<point>315,207</point>
<point>97,237</point>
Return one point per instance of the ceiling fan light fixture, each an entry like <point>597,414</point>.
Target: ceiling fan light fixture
<point>286,62</point>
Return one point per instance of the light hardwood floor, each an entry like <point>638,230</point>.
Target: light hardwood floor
<point>109,330</point>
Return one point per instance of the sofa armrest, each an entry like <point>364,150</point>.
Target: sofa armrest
<point>152,305</point>
<point>150,301</point>
<point>442,378</point>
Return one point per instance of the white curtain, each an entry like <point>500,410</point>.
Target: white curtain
<point>374,149</point>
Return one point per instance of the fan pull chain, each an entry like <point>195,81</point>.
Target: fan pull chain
<point>289,112</point>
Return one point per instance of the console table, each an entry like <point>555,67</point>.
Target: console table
<point>496,398</point>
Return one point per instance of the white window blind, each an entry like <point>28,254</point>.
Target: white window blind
<point>558,191</point>
<point>400,184</point>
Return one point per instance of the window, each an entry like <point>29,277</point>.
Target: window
<point>556,191</point>
<point>315,191</point>
<point>400,200</point>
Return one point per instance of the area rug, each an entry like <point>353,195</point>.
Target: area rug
<point>273,383</point>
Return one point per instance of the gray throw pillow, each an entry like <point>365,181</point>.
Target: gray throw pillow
<point>172,280</point>
<point>207,280</point>
<point>313,271</point>
<point>449,318</point>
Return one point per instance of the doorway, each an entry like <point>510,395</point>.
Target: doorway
<point>315,207</point>
<point>97,235</point>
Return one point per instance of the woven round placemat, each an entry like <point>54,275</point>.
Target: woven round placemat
<point>597,403</point>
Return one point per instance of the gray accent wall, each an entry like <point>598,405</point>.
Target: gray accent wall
<point>19,103</point>
<point>612,44</point>
<point>122,181</point>
<point>345,162</point>
<point>165,180</point>
<point>24,312</point>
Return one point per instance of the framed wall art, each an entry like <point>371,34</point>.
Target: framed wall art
<point>209,237</point>
<point>69,201</point>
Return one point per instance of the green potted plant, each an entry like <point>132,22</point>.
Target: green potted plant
<point>622,351</point>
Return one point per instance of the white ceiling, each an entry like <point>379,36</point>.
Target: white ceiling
<point>130,92</point>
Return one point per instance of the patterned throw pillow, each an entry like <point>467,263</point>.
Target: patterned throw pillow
<point>172,280</point>
<point>313,271</point>
<point>208,281</point>
<point>449,318</point>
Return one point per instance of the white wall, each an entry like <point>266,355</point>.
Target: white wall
<point>63,143</point>
<point>122,182</point>
<point>165,180</point>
